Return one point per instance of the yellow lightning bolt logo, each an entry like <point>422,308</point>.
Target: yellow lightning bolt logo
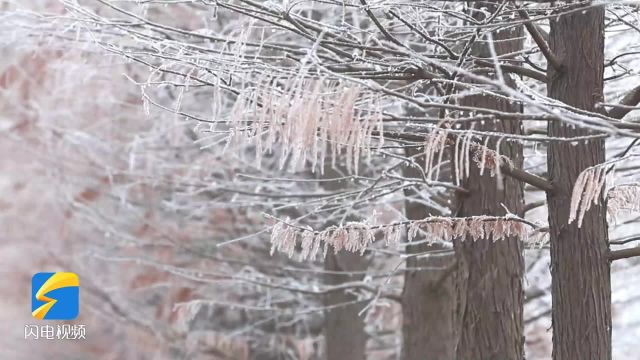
<point>56,281</point>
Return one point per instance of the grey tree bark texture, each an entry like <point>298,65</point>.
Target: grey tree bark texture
<point>428,296</point>
<point>344,331</point>
<point>581,285</point>
<point>490,272</point>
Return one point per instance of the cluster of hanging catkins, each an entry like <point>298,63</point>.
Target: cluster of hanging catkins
<point>623,197</point>
<point>588,189</point>
<point>317,119</point>
<point>307,119</point>
<point>356,237</point>
<point>465,150</point>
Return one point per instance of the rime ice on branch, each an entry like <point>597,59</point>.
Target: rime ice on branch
<point>356,236</point>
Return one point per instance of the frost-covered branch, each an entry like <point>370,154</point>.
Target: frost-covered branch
<point>357,236</point>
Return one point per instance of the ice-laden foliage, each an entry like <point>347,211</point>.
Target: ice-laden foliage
<point>586,191</point>
<point>356,236</point>
<point>307,118</point>
<point>589,187</point>
<point>623,197</point>
<point>465,150</point>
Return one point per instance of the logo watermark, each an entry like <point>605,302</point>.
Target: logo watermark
<point>55,296</point>
<point>58,332</point>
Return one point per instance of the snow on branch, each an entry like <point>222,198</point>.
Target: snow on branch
<point>357,236</point>
<point>305,118</point>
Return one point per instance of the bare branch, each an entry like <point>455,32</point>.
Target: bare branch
<point>624,253</point>
<point>539,39</point>
<point>379,25</point>
<point>514,69</point>
<point>526,177</point>
<point>627,104</point>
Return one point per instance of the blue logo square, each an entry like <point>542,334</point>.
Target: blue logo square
<point>55,296</point>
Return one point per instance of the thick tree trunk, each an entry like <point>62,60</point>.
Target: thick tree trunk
<point>428,297</point>
<point>581,286</point>
<point>490,275</point>
<point>491,291</point>
<point>344,330</point>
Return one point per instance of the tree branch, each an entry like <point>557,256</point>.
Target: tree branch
<point>526,177</point>
<point>624,253</point>
<point>625,240</point>
<point>379,25</point>
<point>426,37</point>
<point>532,205</point>
<point>539,39</point>
<point>506,168</point>
<point>626,104</point>
<point>534,74</point>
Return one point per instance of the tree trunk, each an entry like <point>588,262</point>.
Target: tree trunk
<point>344,329</point>
<point>490,275</point>
<point>581,285</point>
<point>491,291</point>
<point>428,296</point>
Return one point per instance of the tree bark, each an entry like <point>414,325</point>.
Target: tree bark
<point>581,285</point>
<point>344,329</point>
<point>428,296</point>
<point>345,336</point>
<point>491,290</point>
<point>490,272</point>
